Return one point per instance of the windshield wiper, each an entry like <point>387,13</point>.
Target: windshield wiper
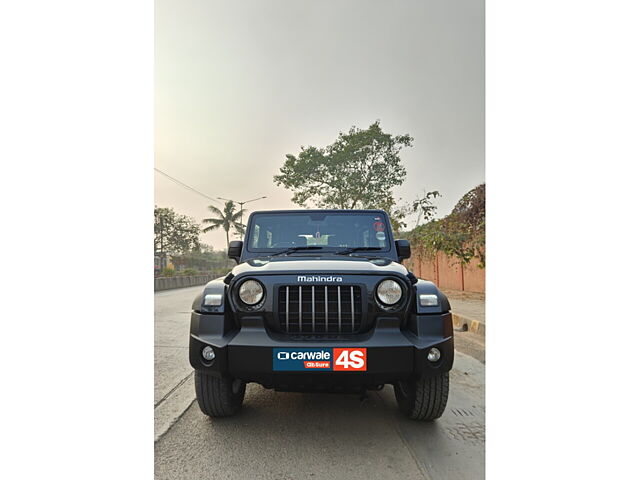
<point>357,249</point>
<point>295,249</point>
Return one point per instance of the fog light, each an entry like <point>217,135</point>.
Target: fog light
<point>433,355</point>
<point>208,354</point>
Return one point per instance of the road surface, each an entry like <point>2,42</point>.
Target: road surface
<point>316,436</point>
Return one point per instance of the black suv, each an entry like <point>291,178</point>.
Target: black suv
<point>320,301</point>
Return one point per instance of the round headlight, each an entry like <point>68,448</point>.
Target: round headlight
<point>251,292</point>
<point>389,292</point>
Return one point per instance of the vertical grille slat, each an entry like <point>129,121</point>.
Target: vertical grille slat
<point>353,316</point>
<point>313,309</point>
<point>301,309</point>
<point>339,311</point>
<point>326,310</point>
<point>287,307</point>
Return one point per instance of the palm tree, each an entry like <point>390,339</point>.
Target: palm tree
<point>226,219</point>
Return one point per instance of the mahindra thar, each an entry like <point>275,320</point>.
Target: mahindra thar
<point>320,301</point>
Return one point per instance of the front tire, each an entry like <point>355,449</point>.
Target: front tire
<point>219,397</point>
<point>423,399</point>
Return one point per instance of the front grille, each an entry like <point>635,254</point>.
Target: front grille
<point>320,309</point>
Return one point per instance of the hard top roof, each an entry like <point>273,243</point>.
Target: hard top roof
<point>322,210</point>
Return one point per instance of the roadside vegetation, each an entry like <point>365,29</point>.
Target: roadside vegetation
<point>178,249</point>
<point>203,262</point>
<point>174,232</point>
<point>460,234</point>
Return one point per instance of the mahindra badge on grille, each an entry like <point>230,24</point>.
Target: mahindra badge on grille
<point>318,278</point>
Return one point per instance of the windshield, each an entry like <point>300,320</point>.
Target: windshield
<point>327,230</point>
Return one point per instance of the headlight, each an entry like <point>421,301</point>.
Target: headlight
<point>389,292</point>
<point>251,292</point>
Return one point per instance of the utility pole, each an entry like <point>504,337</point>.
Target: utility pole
<point>162,259</point>
<point>241,205</point>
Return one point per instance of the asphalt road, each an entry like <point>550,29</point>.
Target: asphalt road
<point>317,436</point>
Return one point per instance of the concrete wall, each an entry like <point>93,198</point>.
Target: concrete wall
<point>447,272</point>
<point>167,283</point>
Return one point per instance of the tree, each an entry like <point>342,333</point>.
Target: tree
<point>470,209</point>
<point>358,170</point>
<point>173,232</point>
<point>461,233</point>
<point>422,206</point>
<point>227,219</point>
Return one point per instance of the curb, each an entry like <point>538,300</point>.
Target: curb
<point>466,324</point>
<point>169,410</point>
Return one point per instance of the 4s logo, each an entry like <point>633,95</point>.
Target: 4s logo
<point>351,359</point>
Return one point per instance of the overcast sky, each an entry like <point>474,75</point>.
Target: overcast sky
<point>239,84</point>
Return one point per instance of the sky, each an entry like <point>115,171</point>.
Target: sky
<point>240,84</point>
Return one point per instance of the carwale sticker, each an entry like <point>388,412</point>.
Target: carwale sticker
<point>319,359</point>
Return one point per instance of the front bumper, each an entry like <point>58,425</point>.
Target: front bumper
<point>393,354</point>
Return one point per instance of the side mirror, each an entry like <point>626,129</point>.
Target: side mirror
<point>235,250</point>
<point>403,248</point>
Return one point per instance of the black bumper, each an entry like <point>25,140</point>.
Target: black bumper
<point>247,352</point>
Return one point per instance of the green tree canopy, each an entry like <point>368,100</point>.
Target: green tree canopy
<point>358,170</point>
<point>228,218</point>
<point>173,232</point>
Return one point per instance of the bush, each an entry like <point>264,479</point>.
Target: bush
<point>190,271</point>
<point>167,272</point>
